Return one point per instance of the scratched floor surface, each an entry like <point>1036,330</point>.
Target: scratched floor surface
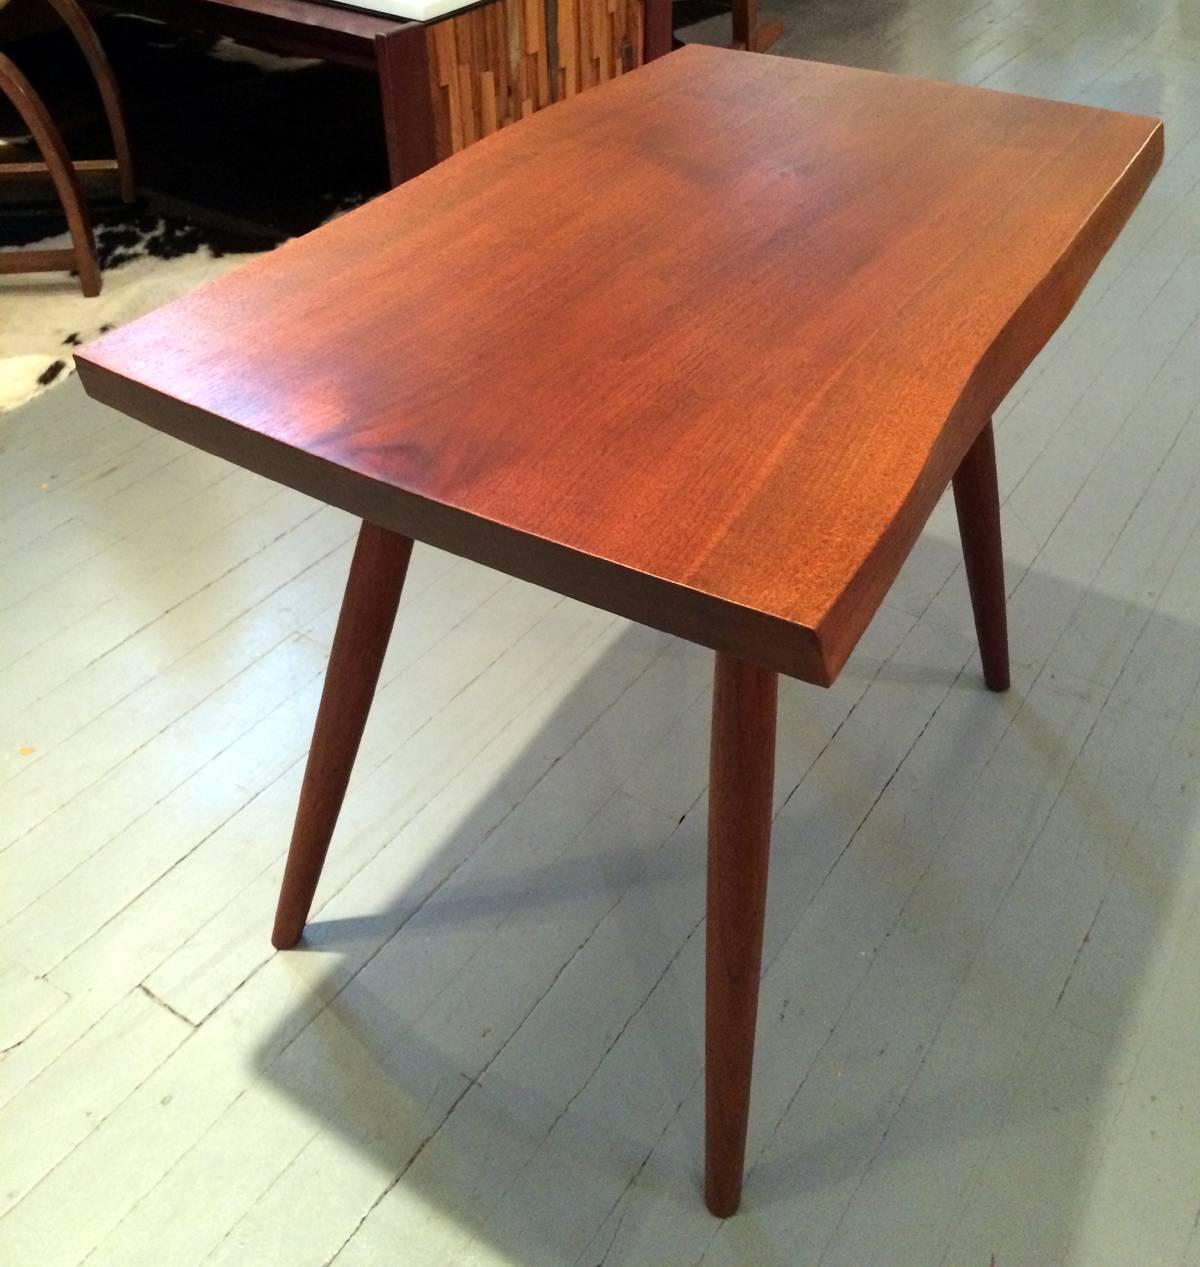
<point>980,1030</point>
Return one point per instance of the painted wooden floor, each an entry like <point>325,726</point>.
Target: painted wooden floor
<point>980,1031</point>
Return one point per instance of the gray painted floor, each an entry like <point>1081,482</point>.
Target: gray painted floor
<point>979,1033</point>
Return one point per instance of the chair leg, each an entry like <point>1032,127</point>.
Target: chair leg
<point>49,141</point>
<point>364,627</point>
<point>745,19</point>
<point>85,35</point>
<point>748,33</point>
<point>742,771</point>
<point>977,501</point>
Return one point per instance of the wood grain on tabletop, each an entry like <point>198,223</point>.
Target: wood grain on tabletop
<point>703,346</point>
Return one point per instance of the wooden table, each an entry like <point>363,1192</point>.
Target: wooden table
<point>646,352</point>
<point>308,28</point>
<point>445,83</point>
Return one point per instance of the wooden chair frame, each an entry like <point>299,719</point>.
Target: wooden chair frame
<point>57,164</point>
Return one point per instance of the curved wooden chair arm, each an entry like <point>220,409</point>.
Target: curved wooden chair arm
<point>57,164</point>
<point>59,167</point>
<point>80,26</point>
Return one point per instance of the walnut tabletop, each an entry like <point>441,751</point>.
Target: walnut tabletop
<point>702,348</point>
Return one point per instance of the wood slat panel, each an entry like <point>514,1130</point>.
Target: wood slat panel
<point>500,62</point>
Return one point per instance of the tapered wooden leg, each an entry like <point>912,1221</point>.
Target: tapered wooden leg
<point>977,501</point>
<point>364,627</point>
<point>739,835</point>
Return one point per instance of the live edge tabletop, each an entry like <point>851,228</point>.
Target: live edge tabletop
<point>703,347</point>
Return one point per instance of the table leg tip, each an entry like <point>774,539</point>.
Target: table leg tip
<point>284,938</point>
<point>721,1202</point>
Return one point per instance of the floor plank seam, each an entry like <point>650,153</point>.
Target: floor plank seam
<point>149,993</point>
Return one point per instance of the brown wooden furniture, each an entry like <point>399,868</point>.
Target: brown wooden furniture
<point>56,163</point>
<point>750,34</point>
<point>705,374</point>
<point>444,84</point>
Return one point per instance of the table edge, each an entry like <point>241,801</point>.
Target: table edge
<point>1012,350</point>
<point>671,606</point>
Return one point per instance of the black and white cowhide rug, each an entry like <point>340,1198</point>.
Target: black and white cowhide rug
<point>147,260</point>
<point>236,150</point>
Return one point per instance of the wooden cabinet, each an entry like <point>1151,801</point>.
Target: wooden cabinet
<point>447,82</point>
